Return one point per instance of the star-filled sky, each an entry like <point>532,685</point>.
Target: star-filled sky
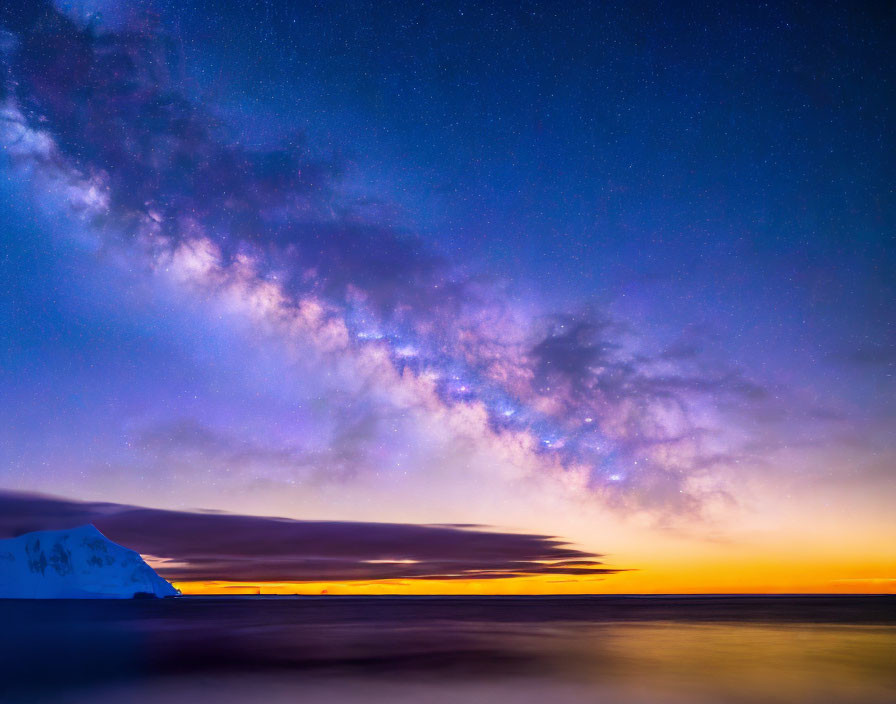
<point>530,296</point>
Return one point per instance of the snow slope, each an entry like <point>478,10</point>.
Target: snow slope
<point>80,563</point>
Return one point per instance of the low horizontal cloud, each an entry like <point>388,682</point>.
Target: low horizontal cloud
<point>218,546</point>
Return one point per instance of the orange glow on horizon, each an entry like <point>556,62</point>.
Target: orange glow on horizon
<point>624,583</point>
<point>796,556</point>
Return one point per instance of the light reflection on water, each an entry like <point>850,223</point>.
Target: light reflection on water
<point>454,651</point>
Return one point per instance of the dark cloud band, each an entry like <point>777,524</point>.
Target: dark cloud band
<point>231,547</point>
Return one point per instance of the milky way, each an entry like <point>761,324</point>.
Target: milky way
<point>405,336</point>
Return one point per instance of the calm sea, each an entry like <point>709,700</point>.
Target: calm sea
<point>425,650</point>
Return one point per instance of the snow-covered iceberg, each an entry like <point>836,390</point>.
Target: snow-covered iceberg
<point>80,563</point>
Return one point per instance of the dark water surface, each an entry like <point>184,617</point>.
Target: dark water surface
<point>447,649</point>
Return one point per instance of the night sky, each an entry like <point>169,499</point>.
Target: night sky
<point>614,277</point>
